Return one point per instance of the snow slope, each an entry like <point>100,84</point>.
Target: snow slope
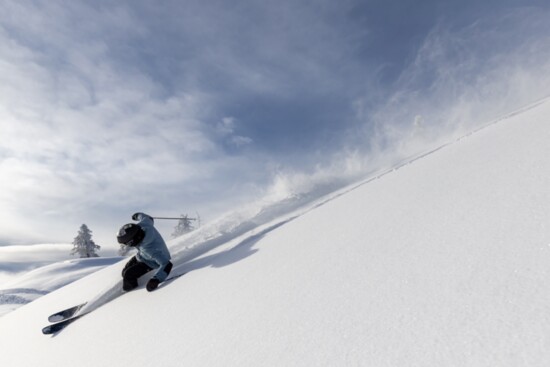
<point>31,271</point>
<point>20,259</point>
<point>34,284</point>
<point>441,262</point>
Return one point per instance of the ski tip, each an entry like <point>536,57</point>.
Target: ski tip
<point>55,318</point>
<point>65,314</point>
<point>47,330</point>
<point>57,327</point>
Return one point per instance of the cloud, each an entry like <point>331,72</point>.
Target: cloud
<point>80,130</point>
<point>461,78</point>
<point>226,128</point>
<point>107,108</point>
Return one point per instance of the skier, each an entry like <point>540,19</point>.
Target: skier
<point>152,253</point>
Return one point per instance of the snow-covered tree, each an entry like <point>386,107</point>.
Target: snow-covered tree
<point>83,243</point>
<point>185,225</point>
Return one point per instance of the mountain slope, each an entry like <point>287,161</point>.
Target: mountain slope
<point>441,262</point>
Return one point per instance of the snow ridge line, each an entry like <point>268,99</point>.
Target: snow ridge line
<point>519,111</point>
<point>415,158</point>
<point>422,155</point>
<point>273,216</point>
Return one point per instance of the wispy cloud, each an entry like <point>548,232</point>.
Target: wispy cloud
<point>460,78</point>
<point>226,128</point>
<point>463,77</point>
<point>79,128</point>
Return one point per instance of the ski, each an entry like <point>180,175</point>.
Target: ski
<point>58,326</point>
<point>66,314</point>
<point>66,317</point>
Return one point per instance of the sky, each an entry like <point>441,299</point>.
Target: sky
<point>185,107</point>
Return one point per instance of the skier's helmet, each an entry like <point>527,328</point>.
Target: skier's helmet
<point>130,234</point>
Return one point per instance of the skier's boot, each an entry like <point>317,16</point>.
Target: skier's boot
<point>152,284</point>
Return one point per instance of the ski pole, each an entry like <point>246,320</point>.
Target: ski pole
<point>169,218</point>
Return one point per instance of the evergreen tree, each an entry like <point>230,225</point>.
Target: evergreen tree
<point>185,225</point>
<point>83,243</point>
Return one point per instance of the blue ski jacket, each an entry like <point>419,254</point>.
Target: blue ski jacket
<point>152,249</point>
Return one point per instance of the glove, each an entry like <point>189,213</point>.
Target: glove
<point>135,216</point>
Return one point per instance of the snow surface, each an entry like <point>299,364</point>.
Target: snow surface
<point>31,271</point>
<point>19,259</point>
<point>36,283</point>
<point>441,261</point>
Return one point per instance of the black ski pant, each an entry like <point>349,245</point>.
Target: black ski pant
<point>135,269</point>
<point>132,271</point>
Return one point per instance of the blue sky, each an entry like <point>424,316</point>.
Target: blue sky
<point>177,107</point>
